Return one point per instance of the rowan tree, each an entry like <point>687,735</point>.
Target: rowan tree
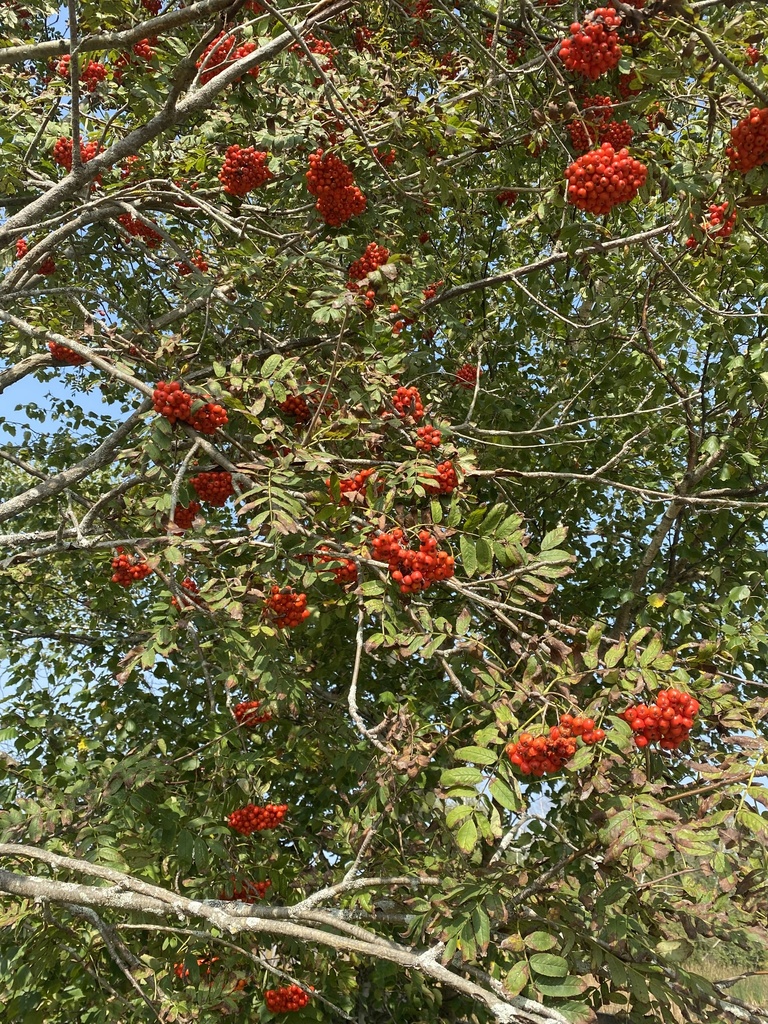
<point>383,503</point>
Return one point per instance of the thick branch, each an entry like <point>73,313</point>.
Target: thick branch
<point>113,40</point>
<point>136,896</point>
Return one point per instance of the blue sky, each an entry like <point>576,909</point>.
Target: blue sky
<point>41,392</point>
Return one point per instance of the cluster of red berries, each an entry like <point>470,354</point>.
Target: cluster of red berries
<point>384,158</point>
<point>198,260</point>
<point>285,608</point>
<point>363,37</point>
<point>626,88</point>
<point>62,151</point>
<point>446,480</point>
<point>466,376</point>
<point>586,131</point>
<point>749,141</point>
<point>754,56</point>
<point>244,170</point>
<point>428,438</point>
<point>171,401</point>
<point>256,819</point>
<point>321,48</point>
<point>191,588</point>
<point>138,229</point>
<point>215,487</point>
<point>248,892</point>
<point>618,133</point>
<point>354,484</point>
<point>153,6</point>
<point>129,569</point>
<point>413,570</point>
<point>344,572</point>
<point>208,418</point>
<point>184,515</point>
<point>175,404</point>
<point>338,198</point>
<point>21,248</point>
<point>431,290</point>
<point>543,755</point>
<point>604,178</point>
<point>375,256</point>
<point>407,402</point>
<point>667,721</point>
<point>507,198</point>
<point>143,48</point>
<point>47,267</point>
<point>247,713</point>
<point>287,999</point>
<point>130,164</point>
<point>296,406</point>
<point>93,73</point>
<point>717,225</point>
<point>65,355</point>
<point>220,54</point>
<point>594,47</point>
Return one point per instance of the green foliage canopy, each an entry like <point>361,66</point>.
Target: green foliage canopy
<point>598,384</point>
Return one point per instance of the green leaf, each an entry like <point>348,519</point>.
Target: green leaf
<point>463,621</point>
<point>456,814</point>
<point>479,755</point>
<point>493,519</point>
<point>651,652</point>
<point>468,555</point>
<point>517,978</point>
<point>271,364</point>
<point>484,554</point>
<point>569,986</point>
<point>185,848</point>
<point>554,538</point>
<point>614,654</point>
<point>466,837</point>
<point>675,951</point>
<point>503,795</point>
<point>549,964</point>
<point>541,941</point>
<point>461,777</point>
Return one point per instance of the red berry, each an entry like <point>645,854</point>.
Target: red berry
<point>251,818</point>
<point>338,198</point>
<point>285,608</point>
<point>428,438</point>
<point>129,569</point>
<point>138,229</point>
<point>244,170</point>
<point>214,487</point>
<point>184,515</point>
<point>65,355</point>
<point>749,141</point>
<point>247,714</point>
<point>287,999</point>
<point>594,47</point>
<point>221,54</point>
<point>446,480</point>
<point>604,178</point>
<point>466,376</point>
